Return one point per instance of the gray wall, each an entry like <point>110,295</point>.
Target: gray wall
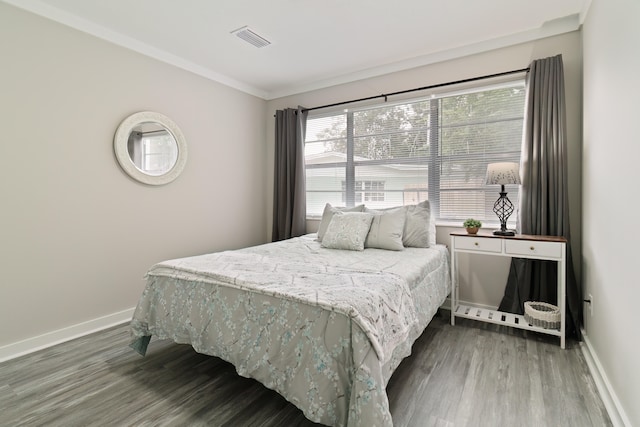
<point>482,278</point>
<point>77,233</point>
<point>610,187</point>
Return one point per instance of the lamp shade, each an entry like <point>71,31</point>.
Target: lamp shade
<point>503,173</point>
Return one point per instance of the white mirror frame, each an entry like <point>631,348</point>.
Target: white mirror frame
<point>121,139</point>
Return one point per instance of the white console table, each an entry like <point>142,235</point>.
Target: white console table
<point>520,246</point>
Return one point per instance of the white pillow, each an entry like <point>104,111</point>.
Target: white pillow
<point>347,230</point>
<point>416,226</point>
<point>328,213</point>
<point>386,229</point>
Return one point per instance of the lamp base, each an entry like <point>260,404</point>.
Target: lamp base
<point>503,208</point>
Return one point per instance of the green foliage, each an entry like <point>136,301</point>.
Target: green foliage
<point>470,124</point>
<point>471,223</point>
<point>394,132</point>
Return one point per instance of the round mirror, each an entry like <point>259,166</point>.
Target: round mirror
<point>150,148</point>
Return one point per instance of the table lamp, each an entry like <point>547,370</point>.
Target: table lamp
<point>503,174</point>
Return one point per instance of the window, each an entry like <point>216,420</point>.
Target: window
<point>153,152</point>
<point>159,152</point>
<point>365,191</point>
<point>434,149</point>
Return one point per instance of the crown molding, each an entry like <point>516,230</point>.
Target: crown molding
<point>83,25</point>
<point>548,29</point>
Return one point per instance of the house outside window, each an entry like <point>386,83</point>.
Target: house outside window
<point>434,148</point>
<point>365,191</point>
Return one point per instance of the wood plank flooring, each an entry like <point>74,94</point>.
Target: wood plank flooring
<point>471,374</point>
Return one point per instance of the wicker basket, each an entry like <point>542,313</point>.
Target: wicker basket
<point>541,314</point>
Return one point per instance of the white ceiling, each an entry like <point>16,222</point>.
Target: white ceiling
<point>315,43</point>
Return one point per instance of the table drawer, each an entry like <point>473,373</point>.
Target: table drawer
<point>529,248</point>
<point>478,244</point>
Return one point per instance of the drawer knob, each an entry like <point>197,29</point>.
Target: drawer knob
<point>532,248</point>
<point>475,243</point>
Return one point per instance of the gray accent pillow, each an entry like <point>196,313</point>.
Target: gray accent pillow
<point>386,229</point>
<point>416,226</point>
<point>328,213</point>
<point>347,230</point>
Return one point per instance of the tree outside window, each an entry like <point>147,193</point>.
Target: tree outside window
<point>439,148</point>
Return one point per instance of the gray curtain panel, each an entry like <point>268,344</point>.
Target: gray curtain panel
<point>289,198</point>
<point>544,202</point>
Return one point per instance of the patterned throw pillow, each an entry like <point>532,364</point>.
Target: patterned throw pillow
<point>328,213</point>
<point>347,230</point>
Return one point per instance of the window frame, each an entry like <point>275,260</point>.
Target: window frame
<point>433,161</point>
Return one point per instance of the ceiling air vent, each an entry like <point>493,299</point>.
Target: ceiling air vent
<point>251,37</point>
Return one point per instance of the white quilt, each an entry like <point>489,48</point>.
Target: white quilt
<point>379,302</point>
<point>325,328</point>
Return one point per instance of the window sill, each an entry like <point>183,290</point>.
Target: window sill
<point>451,224</point>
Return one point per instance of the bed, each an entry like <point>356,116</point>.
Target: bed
<point>322,326</point>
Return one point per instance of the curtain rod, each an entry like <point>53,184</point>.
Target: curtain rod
<point>472,79</point>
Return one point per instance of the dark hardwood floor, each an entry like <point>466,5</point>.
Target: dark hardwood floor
<point>471,374</point>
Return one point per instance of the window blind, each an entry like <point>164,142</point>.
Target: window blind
<point>435,148</point>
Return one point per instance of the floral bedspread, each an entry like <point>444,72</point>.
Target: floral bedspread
<point>325,328</point>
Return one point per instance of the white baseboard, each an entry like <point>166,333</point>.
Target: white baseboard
<point>30,345</point>
<point>610,399</point>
